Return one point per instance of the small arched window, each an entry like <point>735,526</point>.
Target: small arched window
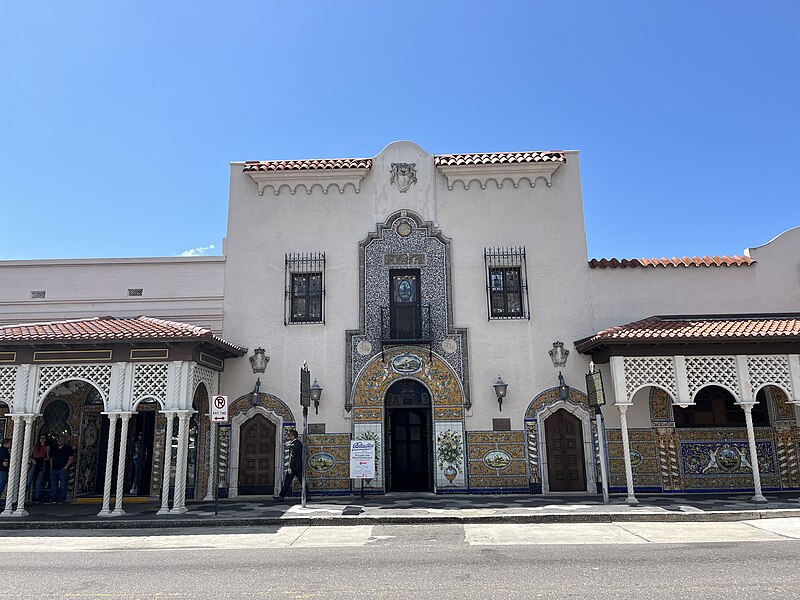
<point>716,407</point>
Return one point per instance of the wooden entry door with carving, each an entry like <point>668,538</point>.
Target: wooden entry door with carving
<point>257,456</point>
<point>566,467</point>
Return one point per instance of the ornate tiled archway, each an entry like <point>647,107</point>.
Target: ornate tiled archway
<point>447,398</point>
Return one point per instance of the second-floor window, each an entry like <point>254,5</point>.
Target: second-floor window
<point>305,288</point>
<point>505,292</point>
<point>506,283</point>
<point>306,297</point>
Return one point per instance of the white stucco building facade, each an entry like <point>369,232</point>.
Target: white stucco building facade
<point>410,284</point>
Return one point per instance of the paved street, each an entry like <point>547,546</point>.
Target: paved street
<point>747,559</point>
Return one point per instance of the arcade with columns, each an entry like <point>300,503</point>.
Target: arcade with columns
<point>106,384</point>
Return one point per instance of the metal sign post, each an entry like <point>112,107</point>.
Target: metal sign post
<point>218,415</point>
<point>305,401</point>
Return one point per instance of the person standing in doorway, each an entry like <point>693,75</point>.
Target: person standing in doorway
<point>138,455</point>
<point>61,458</point>
<point>295,468</point>
<point>40,457</point>
<point>5,463</point>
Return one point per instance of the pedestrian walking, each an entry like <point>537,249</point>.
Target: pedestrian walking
<point>295,468</point>
<point>61,458</point>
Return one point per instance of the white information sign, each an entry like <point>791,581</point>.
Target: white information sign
<point>362,459</point>
<point>219,409</point>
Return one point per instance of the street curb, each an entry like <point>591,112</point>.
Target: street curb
<point>212,522</point>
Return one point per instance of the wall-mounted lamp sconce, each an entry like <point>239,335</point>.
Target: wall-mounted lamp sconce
<point>255,392</point>
<point>500,389</point>
<point>259,360</point>
<point>316,394</point>
<point>563,388</point>
<point>559,355</point>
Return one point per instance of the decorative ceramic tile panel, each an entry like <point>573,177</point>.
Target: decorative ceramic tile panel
<point>328,460</point>
<point>497,460</point>
<point>719,458</point>
<point>644,459</point>
<point>449,455</point>
<point>786,449</point>
<point>660,406</point>
<point>405,234</point>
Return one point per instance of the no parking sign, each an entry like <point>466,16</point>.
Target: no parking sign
<point>219,409</point>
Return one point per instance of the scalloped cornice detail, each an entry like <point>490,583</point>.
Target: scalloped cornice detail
<point>499,173</point>
<point>309,179</point>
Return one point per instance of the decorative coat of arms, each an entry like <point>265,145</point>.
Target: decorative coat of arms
<point>404,175</point>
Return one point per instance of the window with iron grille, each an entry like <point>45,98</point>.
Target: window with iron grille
<point>506,283</point>
<point>305,288</point>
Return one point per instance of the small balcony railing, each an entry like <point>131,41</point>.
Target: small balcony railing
<point>406,325</point>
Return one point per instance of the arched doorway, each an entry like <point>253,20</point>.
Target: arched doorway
<point>257,456</point>
<point>141,437</point>
<point>408,437</point>
<point>74,409</point>
<point>566,465</point>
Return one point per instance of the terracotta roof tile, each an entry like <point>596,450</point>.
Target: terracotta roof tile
<point>684,261</point>
<point>489,158</point>
<point>112,329</point>
<point>307,165</point>
<point>702,328</point>
<point>494,158</point>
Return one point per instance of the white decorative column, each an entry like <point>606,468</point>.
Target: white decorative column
<point>751,437</point>
<point>112,437</point>
<point>626,449</point>
<point>24,467</point>
<point>121,461</point>
<point>179,499</point>
<point>13,465</point>
<point>213,476</point>
<point>167,465</point>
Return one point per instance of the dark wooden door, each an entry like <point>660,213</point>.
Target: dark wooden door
<point>565,463</point>
<point>257,456</point>
<point>406,323</point>
<point>408,450</point>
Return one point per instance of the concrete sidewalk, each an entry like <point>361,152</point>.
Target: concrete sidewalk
<point>413,508</point>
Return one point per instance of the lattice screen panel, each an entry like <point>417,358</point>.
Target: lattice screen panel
<point>150,381</point>
<point>769,369</point>
<point>98,375</point>
<point>642,371</point>
<point>712,370</point>
<point>8,376</point>
<point>204,375</point>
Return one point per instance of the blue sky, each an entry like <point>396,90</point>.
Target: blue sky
<point>118,119</point>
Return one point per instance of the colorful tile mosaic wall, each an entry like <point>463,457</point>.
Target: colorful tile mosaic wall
<point>497,461</point>
<point>644,460</point>
<point>328,457</point>
<point>405,234</point>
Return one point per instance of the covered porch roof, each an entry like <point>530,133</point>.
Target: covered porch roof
<point>696,334</point>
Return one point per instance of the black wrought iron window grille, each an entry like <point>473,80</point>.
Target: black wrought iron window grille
<point>506,283</point>
<point>305,288</point>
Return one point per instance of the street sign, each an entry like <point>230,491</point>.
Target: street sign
<point>362,459</point>
<point>219,409</point>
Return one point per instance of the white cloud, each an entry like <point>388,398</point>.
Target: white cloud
<point>201,251</point>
